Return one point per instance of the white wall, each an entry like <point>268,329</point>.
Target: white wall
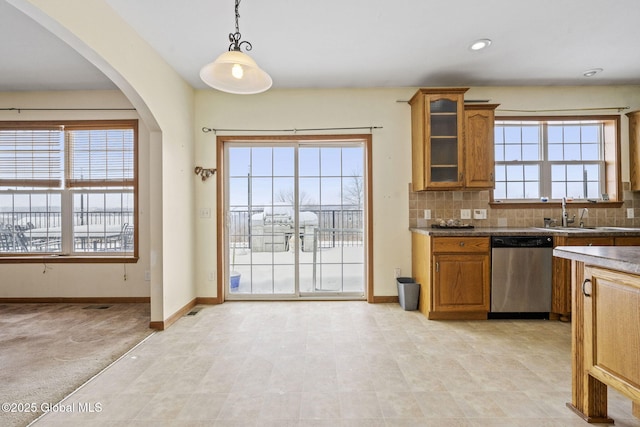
<point>286,109</point>
<point>80,280</point>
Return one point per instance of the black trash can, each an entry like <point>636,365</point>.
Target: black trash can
<point>408,293</point>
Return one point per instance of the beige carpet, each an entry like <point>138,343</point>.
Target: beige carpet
<point>49,350</point>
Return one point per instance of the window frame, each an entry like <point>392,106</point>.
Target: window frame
<point>69,188</point>
<point>611,163</point>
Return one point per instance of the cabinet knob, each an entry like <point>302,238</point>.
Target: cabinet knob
<point>461,243</point>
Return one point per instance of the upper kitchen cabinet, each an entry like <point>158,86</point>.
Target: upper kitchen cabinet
<point>437,129</point>
<point>452,143</point>
<point>634,149</point>
<point>479,151</point>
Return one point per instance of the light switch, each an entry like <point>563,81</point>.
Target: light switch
<point>479,214</point>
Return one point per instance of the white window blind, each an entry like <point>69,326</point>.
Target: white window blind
<point>31,158</point>
<point>100,157</point>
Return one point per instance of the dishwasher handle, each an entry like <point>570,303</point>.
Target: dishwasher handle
<point>521,242</point>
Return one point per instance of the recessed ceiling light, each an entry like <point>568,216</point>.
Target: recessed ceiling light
<point>480,44</point>
<point>592,72</point>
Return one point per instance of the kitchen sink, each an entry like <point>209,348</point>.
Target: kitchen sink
<point>618,228</point>
<point>587,229</point>
<point>569,229</point>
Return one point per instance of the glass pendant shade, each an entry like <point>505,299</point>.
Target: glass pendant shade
<point>236,72</point>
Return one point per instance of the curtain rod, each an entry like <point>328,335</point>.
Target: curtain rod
<point>207,130</point>
<point>619,109</point>
<point>19,110</point>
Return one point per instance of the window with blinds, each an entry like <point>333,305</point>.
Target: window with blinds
<point>68,188</point>
<point>100,158</point>
<point>31,158</point>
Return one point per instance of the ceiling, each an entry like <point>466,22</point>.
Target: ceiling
<point>356,43</point>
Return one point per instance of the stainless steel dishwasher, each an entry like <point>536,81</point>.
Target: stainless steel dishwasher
<point>521,274</point>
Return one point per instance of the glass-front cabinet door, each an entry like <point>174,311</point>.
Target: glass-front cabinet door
<point>444,115</point>
<point>437,138</point>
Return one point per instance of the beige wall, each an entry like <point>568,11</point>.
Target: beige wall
<point>287,109</point>
<point>165,102</point>
<point>80,280</point>
<point>182,248</point>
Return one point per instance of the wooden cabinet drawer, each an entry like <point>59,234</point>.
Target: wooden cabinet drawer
<point>627,241</point>
<point>589,241</point>
<point>461,244</point>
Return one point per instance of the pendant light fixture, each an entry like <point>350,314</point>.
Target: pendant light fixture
<point>235,71</point>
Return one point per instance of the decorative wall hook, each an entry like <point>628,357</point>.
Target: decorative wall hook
<point>204,173</point>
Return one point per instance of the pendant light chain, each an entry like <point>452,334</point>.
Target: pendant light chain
<point>234,38</point>
<point>237,16</point>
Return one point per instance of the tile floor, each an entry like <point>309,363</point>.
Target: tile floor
<point>337,364</point>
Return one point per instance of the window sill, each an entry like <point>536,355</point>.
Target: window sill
<point>554,205</point>
<point>65,259</point>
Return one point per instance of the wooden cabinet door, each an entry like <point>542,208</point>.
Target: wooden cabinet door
<point>634,149</point>
<point>444,129</point>
<point>461,282</point>
<point>437,138</point>
<point>612,329</point>
<point>479,146</point>
<point>418,157</point>
<point>561,288</point>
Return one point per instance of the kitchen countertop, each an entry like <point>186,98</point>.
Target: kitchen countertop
<point>527,231</point>
<point>620,258</point>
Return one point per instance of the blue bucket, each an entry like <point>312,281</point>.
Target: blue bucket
<point>234,278</point>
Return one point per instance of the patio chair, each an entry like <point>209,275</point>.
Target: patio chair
<point>6,239</point>
<point>120,241</point>
<point>12,239</point>
<point>126,237</point>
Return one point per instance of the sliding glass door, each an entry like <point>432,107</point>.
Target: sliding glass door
<point>295,219</point>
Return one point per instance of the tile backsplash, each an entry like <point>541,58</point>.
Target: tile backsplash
<point>447,205</point>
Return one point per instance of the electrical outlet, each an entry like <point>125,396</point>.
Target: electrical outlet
<point>479,214</point>
<point>630,213</point>
<point>147,276</point>
<point>211,276</point>
<point>205,212</point>
<point>427,214</point>
<point>465,213</point>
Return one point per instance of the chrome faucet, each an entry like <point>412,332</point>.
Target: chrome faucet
<point>565,216</point>
<point>584,211</point>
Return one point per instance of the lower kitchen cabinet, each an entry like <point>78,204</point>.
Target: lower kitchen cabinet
<point>605,336</point>
<point>561,296</point>
<point>454,273</point>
